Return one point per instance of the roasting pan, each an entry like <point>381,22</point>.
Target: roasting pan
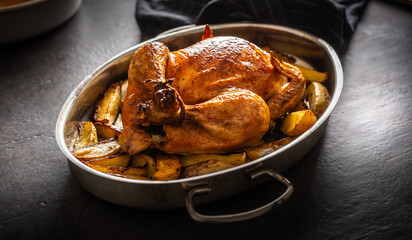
<point>307,48</point>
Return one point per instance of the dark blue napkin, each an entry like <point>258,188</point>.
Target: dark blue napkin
<point>332,20</point>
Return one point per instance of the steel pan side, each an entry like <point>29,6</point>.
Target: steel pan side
<point>167,196</point>
<point>171,194</point>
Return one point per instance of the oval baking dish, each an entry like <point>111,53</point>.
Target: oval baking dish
<point>213,186</point>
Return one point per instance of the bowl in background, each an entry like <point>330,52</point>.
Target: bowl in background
<point>32,18</point>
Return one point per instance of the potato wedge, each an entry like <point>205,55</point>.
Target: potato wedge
<point>143,160</point>
<point>130,172</point>
<point>168,167</point>
<point>109,105</point>
<point>118,160</point>
<point>263,150</point>
<point>125,84</point>
<point>87,135</point>
<point>312,75</point>
<point>318,97</point>
<point>296,123</point>
<point>139,160</point>
<point>118,123</point>
<point>235,159</point>
<point>205,168</point>
<point>107,131</point>
<point>98,150</point>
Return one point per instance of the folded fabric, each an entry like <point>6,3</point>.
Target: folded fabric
<point>333,20</point>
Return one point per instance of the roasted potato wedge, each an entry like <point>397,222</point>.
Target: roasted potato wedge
<point>143,160</point>
<point>235,159</point>
<point>206,167</point>
<point>318,97</point>
<point>296,123</point>
<point>139,160</point>
<point>87,135</point>
<point>118,123</point>
<point>263,150</point>
<point>130,172</point>
<point>125,84</point>
<point>117,160</point>
<point>98,150</point>
<point>168,167</point>
<point>109,105</point>
<point>312,75</point>
<point>107,131</point>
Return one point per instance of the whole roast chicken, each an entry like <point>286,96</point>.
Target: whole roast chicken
<point>215,96</point>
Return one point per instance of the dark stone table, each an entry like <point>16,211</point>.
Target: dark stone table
<point>355,184</point>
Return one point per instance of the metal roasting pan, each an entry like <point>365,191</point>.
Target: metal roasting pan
<point>214,186</point>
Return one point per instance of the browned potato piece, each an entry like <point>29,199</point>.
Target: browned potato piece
<point>151,168</point>
<point>118,160</point>
<point>168,167</point>
<point>318,97</point>
<point>118,123</point>
<point>125,84</point>
<point>143,160</point>
<point>263,150</point>
<point>109,105</point>
<point>139,160</point>
<point>205,168</point>
<point>130,172</point>
<point>107,131</point>
<point>235,159</point>
<point>98,150</point>
<point>87,135</point>
<point>296,123</point>
<point>312,75</point>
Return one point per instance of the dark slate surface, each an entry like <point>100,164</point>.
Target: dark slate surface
<point>355,184</point>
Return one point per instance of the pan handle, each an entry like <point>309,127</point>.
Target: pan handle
<point>243,215</point>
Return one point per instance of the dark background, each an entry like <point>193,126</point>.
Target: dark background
<point>355,184</point>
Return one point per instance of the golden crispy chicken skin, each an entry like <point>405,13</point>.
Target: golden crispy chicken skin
<point>215,96</point>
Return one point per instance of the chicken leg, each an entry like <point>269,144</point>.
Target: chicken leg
<point>228,121</point>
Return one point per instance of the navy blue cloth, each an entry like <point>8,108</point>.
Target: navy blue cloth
<point>333,20</point>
